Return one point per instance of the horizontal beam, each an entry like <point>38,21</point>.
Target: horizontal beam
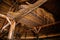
<point>42,36</point>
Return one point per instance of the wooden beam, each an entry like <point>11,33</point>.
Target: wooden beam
<point>42,36</point>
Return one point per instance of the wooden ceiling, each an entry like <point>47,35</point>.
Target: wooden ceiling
<point>49,6</point>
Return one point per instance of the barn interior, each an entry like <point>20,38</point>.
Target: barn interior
<point>51,32</point>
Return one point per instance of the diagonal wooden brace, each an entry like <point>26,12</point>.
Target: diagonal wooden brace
<point>5,17</point>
